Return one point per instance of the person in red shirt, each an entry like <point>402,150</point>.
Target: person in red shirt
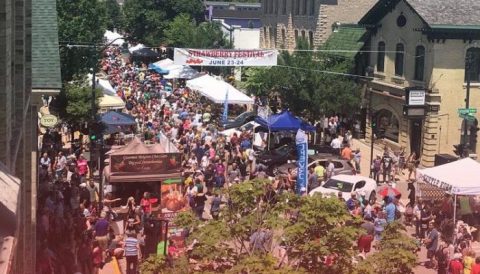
<point>146,203</point>
<point>456,265</point>
<point>476,266</point>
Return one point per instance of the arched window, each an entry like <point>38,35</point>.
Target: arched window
<point>472,64</point>
<point>296,37</point>
<point>381,57</point>
<point>399,54</point>
<point>310,39</point>
<point>303,34</point>
<point>312,7</point>
<point>387,125</point>
<point>419,63</point>
<point>284,42</point>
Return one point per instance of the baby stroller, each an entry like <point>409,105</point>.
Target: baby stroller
<point>408,220</point>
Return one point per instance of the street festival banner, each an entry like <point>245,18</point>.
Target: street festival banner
<point>302,162</point>
<point>225,57</point>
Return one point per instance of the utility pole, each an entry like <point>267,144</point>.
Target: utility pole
<point>94,111</point>
<point>468,67</point>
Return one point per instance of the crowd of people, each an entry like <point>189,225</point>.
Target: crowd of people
<point>75,232</point>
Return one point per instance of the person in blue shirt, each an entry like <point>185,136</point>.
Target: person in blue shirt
<point>245,144</point>
<point>390,210</point>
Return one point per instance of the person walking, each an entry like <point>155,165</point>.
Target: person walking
<point>412,165</point>
<point>132,248</point>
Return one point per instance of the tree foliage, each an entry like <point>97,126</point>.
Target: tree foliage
<point>74,103</point>
<point>113,15</point>
<point>79,22</point>
<point>395,255</point>
<point>308,229</point>
<point>309,84</point>
<point>146,20</point>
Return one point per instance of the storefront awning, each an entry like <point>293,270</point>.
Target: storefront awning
<point>133,178</point>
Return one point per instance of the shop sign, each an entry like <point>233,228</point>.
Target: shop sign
<point>146,163</point>
<point>225,57</point>
<point>416,98</point>
<point>48,120</point>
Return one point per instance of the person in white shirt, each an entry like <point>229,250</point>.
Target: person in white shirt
<point>336,144</point>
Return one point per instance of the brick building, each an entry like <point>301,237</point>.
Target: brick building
<point>285,21</point>
<point>18,123</point>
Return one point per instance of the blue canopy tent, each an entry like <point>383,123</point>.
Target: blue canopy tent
<point>284,121</point>
<point>158,69</point>
<point>116,121</point>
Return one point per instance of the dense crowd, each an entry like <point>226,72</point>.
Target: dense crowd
<point>75,231</point>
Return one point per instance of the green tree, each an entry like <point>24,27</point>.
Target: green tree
<point>74,103</point>
<point>309,227</point>
<point>395,253</point>
<point>79,22</point>
<point>184,32</point>
<point>309,84</point>
<point>146,20</point>
<point>113,15</point>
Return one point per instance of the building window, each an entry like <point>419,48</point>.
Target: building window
<point>296,37</point>
<point>276,7</point>
<point>419,63</point>
<point>310,39</point>
<point>303,34</point>
<point>284,38</point>
<point>381,57</point>
<point>388,126</point>
<point>297,7</point>
<point>399,54</point>
<point>472,64</point>
<point>271,6</point>
<point>292,7</point>
<point>265,37</point>
<point>284,7</point>
<point>265,6</point>
<point>312,7</point>
<point>304,8</point>
<point>274,38</point>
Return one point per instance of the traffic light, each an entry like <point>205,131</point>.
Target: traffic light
<point>96,131</point>
<point>459,149</point>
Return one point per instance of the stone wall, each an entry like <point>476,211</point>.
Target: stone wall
<point>326,13</point>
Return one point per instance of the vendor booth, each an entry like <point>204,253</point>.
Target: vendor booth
<point>137,168</point>
<point>110,102</point>
<point>114,38</point>
<point>117,122</point>
<point>217,90</point>
<point>284,121</point>
<point>459,178</point>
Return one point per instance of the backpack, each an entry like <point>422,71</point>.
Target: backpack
<point>441,257</point>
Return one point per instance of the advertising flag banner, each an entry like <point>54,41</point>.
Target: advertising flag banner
<point>302,162</point>
<point>225,57</point>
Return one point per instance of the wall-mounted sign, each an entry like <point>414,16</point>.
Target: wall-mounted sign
<point>225,57</point>
<point>146,163</point>
<point>48,120</point>
<point>414,111</point>
<point>416,98</point>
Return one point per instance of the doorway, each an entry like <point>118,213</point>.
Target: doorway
<point>416,136</point>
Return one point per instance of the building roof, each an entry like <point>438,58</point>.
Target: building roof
<point>348,39</point>
<point>45,52</point>
<point>435,13</point>
<point>244,23</point>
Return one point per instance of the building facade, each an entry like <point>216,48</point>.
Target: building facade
<point>423,44</point>
<point>17,142</point>
<point>285,21</point>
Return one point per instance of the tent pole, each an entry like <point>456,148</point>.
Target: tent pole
<point>455,219</point>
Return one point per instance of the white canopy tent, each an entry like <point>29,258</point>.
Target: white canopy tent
<point>180,72</point>
<point>111,102</point>
<point>136,47</point>
<point>103,84</point>
<point>165,63</point>
<point>461,177</point>
<point>217,90</point>
<point>111,36</point>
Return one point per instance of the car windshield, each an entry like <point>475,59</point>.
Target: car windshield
<point>282,150</point>
<point>339,185</point>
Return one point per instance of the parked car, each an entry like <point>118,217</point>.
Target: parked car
<point>341,166</point>
<point>348,184</point>
<point>240,120</point>
<point>276,157</point>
